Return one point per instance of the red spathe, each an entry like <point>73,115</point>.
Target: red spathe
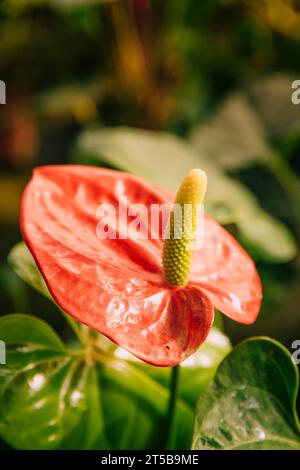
<point>117,286</point>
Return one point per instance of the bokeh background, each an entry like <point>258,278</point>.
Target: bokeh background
<point>217,73</point>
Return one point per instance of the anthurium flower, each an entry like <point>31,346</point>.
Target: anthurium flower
<point>151,296</point>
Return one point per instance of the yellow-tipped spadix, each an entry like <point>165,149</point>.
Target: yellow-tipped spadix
<point>181,230</point>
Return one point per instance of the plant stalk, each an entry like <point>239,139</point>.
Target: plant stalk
<point>172,405</point>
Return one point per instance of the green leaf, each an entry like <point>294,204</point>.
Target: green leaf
<point>54,398</point>
<point>271,99</point>
<point>22,262</point>
<point>251,403</point>
<point>164,159</point>
<point>233,136</point>
<point>238,133</point>
<point>280,244</point>
<point>199,369</point>
<point>135,405</point>
<point>20,328</point>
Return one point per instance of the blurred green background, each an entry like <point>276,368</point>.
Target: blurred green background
<point>217,73</point>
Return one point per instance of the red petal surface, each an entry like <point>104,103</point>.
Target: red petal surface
<point>227,274</point>
<point>116,285</point>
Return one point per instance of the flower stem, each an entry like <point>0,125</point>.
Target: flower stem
<point>172,404</point>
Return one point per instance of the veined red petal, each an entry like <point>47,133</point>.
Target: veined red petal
<point>227,274</point>
<point>62,202</point>
<point>163,329</point>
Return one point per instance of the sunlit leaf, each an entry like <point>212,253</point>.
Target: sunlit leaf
<point>251,403</point>
<point>238,132</point>
<point>22,262</point>
<point>271,98</point>
<point>233,136</point>
<point>280,244</point>
<point>21,329</point>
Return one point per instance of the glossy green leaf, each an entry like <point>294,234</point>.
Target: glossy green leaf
<point>54,398</point>
<point>20,329</point>
<point>164,159</point>
<point>251,403</point>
